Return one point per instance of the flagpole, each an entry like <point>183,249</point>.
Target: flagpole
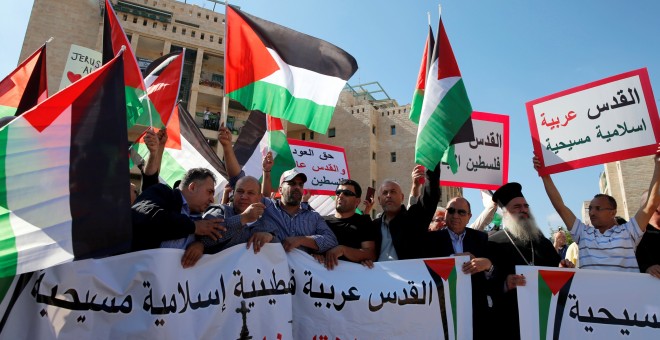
<point>439,10</point>
<point>225,103</point>
<point>428,16</point>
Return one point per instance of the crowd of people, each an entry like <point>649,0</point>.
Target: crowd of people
<point>186,217</point>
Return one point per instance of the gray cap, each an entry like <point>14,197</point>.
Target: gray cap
<point>291,174</point>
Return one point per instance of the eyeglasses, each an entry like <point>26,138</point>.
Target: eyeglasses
<point>345,192</point>
<point>452,211</point>
<point>599,208</point>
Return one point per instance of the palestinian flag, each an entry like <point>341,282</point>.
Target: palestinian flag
<point>163,81</point>
<point>139,109</point>
<point>186,148</point>
<point>446,109</point>
<point>260,134</point>
<point>26,86</point>
<point>418,95</point>
<point>63,180</point>
<point>284,73</point>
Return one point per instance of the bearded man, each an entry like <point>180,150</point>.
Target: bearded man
<point>521,242</point>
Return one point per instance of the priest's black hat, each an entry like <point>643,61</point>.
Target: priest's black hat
<point>507,192</point>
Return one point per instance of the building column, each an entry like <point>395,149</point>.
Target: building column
<point>194,88</point>
<point>134,42</point>
<point>167,47</point>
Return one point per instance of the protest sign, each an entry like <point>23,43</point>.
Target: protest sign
<point>324,165</point>
<point>564,304</point>
<point>611,119</point>
<point>80,62</point>
<point>484,162</point>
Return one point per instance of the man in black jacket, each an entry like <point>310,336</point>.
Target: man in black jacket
<point>402,230</point>
<point>161,213</point>
<point>457,239</point>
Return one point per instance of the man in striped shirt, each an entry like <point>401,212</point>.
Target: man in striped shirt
<point>606,245</point>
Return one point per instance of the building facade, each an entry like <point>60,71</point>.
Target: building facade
<point>626,181</point>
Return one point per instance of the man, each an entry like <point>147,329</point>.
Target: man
<point>559,242</point>
<point>242,221</point>
<point>297,225</point>
<point>403,230</point>
<point>438,221</point>
<point>207,118</point>
<point>521,242</point>
<point>161,213</point>
<point>606,245</point>
<point>457,239</point>
<point>355,233</point>
<point>648,250</point>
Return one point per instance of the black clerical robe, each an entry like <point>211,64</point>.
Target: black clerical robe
<point>505,258</point>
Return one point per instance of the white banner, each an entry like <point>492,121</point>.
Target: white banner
<point>80,62</point>
<point>239,295</point>
<point>587,304</point>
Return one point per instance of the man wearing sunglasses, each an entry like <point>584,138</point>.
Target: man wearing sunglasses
<point>457,239</point>
<point>355,234</point>
<point>606,245</point>
<point>402,230</point>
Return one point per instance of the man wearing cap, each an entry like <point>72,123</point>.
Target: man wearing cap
<point>521,242</point>
<point>458,239</point>
<point>354,232</point>
<point>402,230</point>
<point>606,245</point>
<point>297,225</point>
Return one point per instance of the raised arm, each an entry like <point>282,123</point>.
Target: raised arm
<point>155,142</point>
<point>555,198</point>
<point>646,211</point>
<point>266,182</point>
<point>231,163</point>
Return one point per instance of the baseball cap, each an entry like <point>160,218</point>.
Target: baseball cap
<point>291,174</point>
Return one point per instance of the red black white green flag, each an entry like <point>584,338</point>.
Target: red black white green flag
<point>139,109</point>
<point>64,188</point>
<point>26,86</point>
<point>446,110</point>
<point>418,95</point>
<point>284,73</point>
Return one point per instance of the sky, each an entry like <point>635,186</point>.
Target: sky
<point>509,52</point>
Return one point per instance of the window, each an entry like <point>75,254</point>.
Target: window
<point>373,155</point>
<point>210,38</point>
<point>154,25</point>
<point>199,15</point>
<point>192,34</point>
<point>302,136</point>
<point>207,17</point>
<point>135,20</point>
<point>173,29</point>
<point>311,135</point>
<point>125,17</point>
<point>215,19</point>
<point>183,31</point>
<point>201,36</point>
<point>144,22</point>
<point>373,129</point>
<point>331,132</point>
<point>164,27</point>
<point>392,130</point>
<point>393,157</point>
<point>220,41</point>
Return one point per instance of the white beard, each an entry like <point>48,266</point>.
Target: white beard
<point>523,229</point>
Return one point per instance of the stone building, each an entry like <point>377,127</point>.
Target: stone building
<point>626,181</point>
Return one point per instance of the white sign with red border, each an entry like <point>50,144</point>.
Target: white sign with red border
<point>608,120</point>
<point>483,163</point>
<point>324,165</point>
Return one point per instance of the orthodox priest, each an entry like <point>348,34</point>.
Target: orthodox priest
<point>521,242</point>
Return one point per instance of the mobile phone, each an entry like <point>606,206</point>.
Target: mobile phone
<point>370,193</point>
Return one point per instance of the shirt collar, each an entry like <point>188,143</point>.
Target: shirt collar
<point>456,237</point>
<point>185,209</point>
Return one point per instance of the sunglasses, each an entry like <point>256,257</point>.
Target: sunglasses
<point>345,192</point>
<point>452,211</point>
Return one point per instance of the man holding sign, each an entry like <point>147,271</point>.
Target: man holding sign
<point>606,245</point>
